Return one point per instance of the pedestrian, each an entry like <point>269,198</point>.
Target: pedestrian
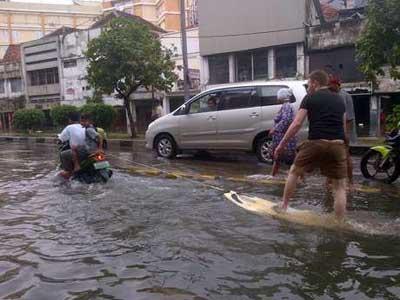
<point>325,148</point>
<point>335,86</point>
<point>282,122</point>
<point>157,110</point>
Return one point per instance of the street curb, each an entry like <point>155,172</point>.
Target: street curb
<point>114,143</point>
<point>135,144</point>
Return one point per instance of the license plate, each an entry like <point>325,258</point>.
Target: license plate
<point>101,165</point>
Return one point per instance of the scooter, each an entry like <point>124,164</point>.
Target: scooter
<point>383,162</point>
<point>94,169</point>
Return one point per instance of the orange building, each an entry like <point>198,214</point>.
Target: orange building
<point>22,22</point>
<point>163,13</point>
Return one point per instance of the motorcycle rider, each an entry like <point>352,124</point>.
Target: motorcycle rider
<point>74,134</point>
<point>93,140</point>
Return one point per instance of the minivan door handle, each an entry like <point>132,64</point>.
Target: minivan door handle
<point>212,118</point>
<point>254,115</point>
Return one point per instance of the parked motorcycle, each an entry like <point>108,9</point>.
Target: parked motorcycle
<point>383,162</point>
<point>94,169</point>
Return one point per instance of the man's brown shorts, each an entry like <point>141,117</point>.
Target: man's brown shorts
<point>328,156</point>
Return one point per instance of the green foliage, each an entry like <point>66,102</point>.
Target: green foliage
<point>103,115</point>
<point>379,44</point>
<point>126,56</point>
<point>60,114</point>
<point>96,98</point>
<point>28,119</point>
<point>393,120</point>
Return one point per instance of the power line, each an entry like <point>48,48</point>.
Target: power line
<point>240,34</point>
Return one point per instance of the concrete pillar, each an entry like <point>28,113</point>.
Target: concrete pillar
<point>204,72</point>
<point>166,105</point>
<point>374,120</point>
<point>271,63</point>
<point>232,68</point>
<point>300,60</point>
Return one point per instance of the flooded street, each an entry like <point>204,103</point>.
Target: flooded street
<point>150,237</point>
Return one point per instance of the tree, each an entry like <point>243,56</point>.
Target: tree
<point>28,119</point>
<point>60,114</point>
<point>125,57</point>
<point>103,115</point>
<point>379,43</point>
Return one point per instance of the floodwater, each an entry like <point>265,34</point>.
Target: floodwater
<point>155,238</point>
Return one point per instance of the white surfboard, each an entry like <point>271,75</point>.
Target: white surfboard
<point>298,216</point>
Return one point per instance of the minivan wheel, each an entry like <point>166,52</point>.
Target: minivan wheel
<point>166,147</point>
<point>264,150</point>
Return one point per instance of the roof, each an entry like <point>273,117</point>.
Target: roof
<point>13,54</point>
<point>63,30</point>
<point>108,16</point>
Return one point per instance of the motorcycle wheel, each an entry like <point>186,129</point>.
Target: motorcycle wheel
<point>104,175</point>
<point>371,167</point>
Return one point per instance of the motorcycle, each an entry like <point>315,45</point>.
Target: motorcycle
<point>383,162</point>
<point>94,168</point>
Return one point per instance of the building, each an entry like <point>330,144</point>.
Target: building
<point>173,41</point>
<point>11,86</point>
<point>163,13</point>
<point>22,22</point>
<point>331,37</point>
<point>234,49</point>
<point>54,69</point>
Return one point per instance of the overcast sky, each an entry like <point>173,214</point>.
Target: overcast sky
<point>50,1</point>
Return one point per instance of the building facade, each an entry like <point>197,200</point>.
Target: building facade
<point>55,68</point>
<point>22,22</point>
<point>334,29</point>
<point>11,87</point>
<point>173,41</point>
<point>163,13</point>
<point>234,49</point>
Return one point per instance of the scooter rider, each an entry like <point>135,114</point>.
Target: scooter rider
<point>93,140</point>
<point>74,134</point>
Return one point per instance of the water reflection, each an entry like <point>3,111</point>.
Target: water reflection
<point>152,238</point>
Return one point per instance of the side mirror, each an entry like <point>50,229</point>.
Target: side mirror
<point>183,109</point>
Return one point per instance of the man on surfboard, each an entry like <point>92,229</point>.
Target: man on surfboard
<point>325,148</point>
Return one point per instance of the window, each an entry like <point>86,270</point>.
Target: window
<point>286,62</point>
<point>244,70</point>
<point>268,95</point>
<point>260,63</point>
<point>16,36</point>
<point>2,87</point>
<point>70,63</point>
<point>237,99</point>
<point>43,77</point>
<point>16,85</point>
<point>218,66</point>
<point>207,103</point>
<point>38,34</point>
<point>4,35</point>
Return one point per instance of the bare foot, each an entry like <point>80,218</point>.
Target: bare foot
<point>64,174</point>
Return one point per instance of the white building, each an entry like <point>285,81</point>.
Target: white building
<point>173,42</point>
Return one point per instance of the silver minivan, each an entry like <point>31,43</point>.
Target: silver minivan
<point>230,117</point>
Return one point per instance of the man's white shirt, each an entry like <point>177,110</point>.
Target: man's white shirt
<point>73,133</point>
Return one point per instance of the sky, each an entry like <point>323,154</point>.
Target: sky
<point>49,1</point>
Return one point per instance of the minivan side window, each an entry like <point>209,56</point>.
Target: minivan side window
<point>207,103</point>
<point>268,95</point>
<point>239,98</point>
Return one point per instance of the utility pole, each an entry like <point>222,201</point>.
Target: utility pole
<point>184,52</point>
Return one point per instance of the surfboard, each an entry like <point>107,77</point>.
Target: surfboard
<point>299,216</point>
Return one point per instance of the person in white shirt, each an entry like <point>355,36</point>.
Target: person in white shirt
<point>75,135</point>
